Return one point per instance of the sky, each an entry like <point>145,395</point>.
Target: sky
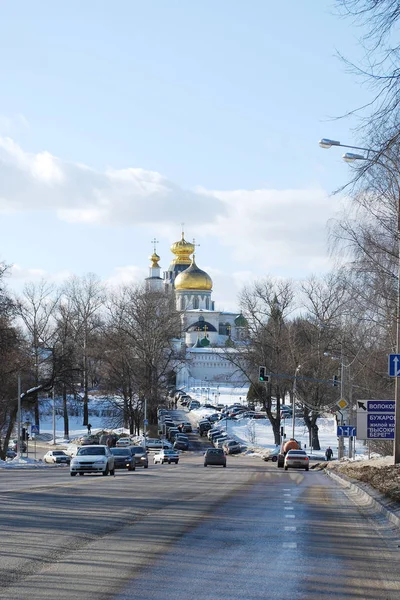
<point>119,121</point>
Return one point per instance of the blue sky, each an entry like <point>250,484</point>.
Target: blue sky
<point>121,120</point>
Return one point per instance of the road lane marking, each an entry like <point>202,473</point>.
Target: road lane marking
<point>287,502</point>
<point>289,545</point>
<point>290,528</point>
<point>288,507</point>
<point>289,516</point>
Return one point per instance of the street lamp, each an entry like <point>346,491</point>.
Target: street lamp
<point>351,157</point>
<point>294,398</point>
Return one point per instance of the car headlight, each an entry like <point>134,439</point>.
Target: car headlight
<point>142,458</point>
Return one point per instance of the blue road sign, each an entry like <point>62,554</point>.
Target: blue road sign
<point>34,428</point>
<point>346,431</point>
<point>380,426</point>
<point>145,422</point>
<point>380,406</point>
<point>394,365</point>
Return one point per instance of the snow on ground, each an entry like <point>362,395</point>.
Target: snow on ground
<point>256,435</point>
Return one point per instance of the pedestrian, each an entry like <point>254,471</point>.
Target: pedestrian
<point>328,453</point>
<point>89,428</point>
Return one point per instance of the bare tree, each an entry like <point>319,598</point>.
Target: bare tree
<point>36,309</point>
<point>81,303</point>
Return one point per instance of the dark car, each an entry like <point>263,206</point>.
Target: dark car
<point>11,454</point>
<point>231,447</point>
<point>140,455</point>
<point>123,458</point>
<point>13,445</point>
<point>214,456</point>
<point>180,444</point>
<point>203,427</point>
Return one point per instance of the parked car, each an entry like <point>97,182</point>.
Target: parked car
<point>11,454</point>
<point>180,444</point>
<point>296,459</point>
<point>185,427</point>
<point>140,455</point>
<point>93,459</point>
<point>123,458</point>
<point>57,457</point>
<point>232,447</point>
<point>214,456</point>
<point>157,444</point>
<point>194,404</point>
<point>13,445</point>
<point>172,432</point>
<point>214,432</point>
<point>166,456</point>
<point>220,441</point>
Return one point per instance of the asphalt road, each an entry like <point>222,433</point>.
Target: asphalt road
<point>176,531</point>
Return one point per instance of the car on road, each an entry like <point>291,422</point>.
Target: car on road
<point>93,459</point>
<point>157,444</point>
<point>194,404</point>
<point>181,444</point>
<point>296,459</point>
<point>203,427</point>
<point>123,458</point>
<point>166,456</point>
<point>214,456</point>
<point>123,442</point>
<point>57,457</point>
<point>232,447</point>
<point>273,455</point>
<point>140,455</point>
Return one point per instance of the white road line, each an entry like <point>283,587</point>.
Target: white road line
<point>287,502</point>
<point>289,516</point>
<point>288,507</point>
<point>290,528</point>
<point>289,545</point>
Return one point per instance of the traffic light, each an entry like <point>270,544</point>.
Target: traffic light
<point>262,374</point>
<point>335,381</point>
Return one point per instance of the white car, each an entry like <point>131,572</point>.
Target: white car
<point>123,442</point>
<point>93,459</point>
<point>166,456</point>
<point>57,457</point>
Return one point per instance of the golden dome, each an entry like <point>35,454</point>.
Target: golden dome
<point>182,251</point>
<point>193,278</point>
<point>154,260</point>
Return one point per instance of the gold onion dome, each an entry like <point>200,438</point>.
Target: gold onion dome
<point>182,251</point>
<point>193,278</point>
<point>154,260</point>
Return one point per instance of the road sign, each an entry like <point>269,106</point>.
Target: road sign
<point>346,431</point>
<point>145,422</point>
<point>375,419</point>
<point>34,428</point>
<point>380,426</point>
<point>394,365</point>
<point>342,403</point>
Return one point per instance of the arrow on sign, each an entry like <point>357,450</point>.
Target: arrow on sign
<point>396,366</point>
<point>362,405</point>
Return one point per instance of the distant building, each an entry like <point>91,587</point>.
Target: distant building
<point>208,336</point>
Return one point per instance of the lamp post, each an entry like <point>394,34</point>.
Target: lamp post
<point>294,398</point>
<point>19,418</point>
<point>351,157</point>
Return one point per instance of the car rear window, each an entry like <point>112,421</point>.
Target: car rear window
<point>297,453</point>
<point>215,451</point>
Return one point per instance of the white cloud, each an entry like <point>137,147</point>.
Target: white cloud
<point>280,232</point>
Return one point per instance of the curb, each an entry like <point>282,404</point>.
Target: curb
<point>368,497</point>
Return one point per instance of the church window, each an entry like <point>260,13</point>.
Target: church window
<point>196,302</point>
<point>207,303</point>
<point>182,303</point>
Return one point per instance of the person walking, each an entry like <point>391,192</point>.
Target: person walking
<point>328,453</point>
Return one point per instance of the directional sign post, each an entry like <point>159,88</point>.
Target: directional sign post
<point>394,365</point>
<point>375,419</point>
<point>346,431</point>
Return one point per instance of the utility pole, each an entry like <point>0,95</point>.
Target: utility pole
<point>19,418</point>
